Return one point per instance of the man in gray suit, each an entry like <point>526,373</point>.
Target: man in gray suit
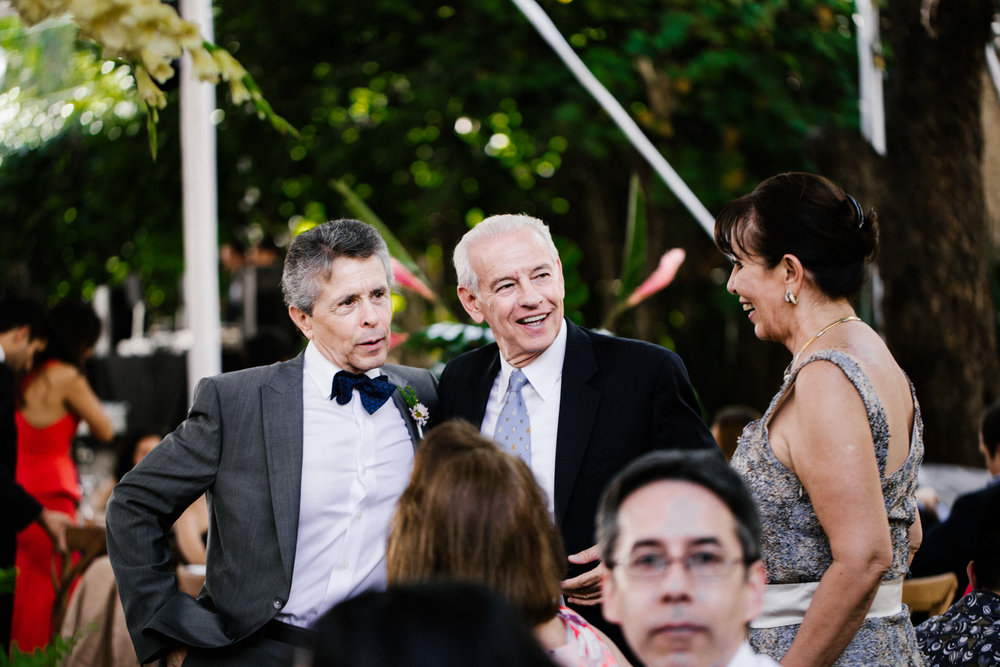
<point>301,486</point>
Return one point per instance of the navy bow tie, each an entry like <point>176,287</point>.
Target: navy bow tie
<point>374,392</point>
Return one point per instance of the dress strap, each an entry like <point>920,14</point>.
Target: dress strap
<point>873,406</point>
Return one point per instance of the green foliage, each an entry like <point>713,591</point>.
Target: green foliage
<point>436,115</point>
<point>634,259</point>
<point>447,340</point>
<point>8,577</point>
<point>53,84</point>
<point>50,655</point>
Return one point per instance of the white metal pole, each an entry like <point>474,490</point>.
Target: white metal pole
<point>544,25</point>
<point>201,222</point>
<point>871,103</point>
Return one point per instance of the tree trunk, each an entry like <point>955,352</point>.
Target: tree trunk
<point>938,309</point>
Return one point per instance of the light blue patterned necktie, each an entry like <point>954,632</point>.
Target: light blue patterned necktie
<point>513,431</point>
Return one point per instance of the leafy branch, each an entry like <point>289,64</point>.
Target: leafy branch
<point>149,35</point>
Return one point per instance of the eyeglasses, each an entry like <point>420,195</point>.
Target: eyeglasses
<point>704,566</point>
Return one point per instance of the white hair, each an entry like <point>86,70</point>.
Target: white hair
<point>494,227</point>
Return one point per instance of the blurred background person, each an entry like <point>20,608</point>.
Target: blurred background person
<point>475,513</point>
<point>947,547</point>
<point>729,423</point>
<point>190,531</point>
<point>55,397</point>
<point>969,632</point>
<point>95,599</point>
<point>438,624</point>
<point>832,464</point>
<point>23,332</point>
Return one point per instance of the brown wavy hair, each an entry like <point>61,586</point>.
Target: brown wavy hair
<point>475,513</point>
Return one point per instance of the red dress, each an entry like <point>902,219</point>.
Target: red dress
<point>46,470</point>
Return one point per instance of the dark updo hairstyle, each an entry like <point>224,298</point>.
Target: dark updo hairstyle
<point>74,330</point>
<point>807,216</point>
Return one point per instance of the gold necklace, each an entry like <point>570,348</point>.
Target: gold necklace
<point>791,365</point>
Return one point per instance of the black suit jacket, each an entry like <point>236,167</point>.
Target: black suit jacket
<point>620,399</point>
<point>947,547</point>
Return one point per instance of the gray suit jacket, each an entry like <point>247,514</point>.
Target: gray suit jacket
<point>242,445</point>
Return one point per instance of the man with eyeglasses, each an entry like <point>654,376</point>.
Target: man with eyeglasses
<point>680,536</point>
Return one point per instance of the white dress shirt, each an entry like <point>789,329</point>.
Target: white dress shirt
<point>541,398</point>
<point>354,468</point>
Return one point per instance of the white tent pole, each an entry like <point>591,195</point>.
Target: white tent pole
<point>543,24</point>
<point>201,222</point>
<point>871,103</point>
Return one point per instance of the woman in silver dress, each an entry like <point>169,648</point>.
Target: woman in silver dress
<point>832,463</point>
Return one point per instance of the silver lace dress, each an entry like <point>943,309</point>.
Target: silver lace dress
<point>795,548</point>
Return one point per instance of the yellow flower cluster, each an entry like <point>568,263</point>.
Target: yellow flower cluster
<point>150,35</point>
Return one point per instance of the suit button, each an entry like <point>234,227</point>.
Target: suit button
<point>277,603</point>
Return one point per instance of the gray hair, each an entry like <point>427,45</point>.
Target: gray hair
<point>310,257</point>
<point>493,227</point>
<point>706,468</point>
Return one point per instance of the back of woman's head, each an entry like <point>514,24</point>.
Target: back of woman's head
<point>475,513</point>
<point>807,216</point>
<point>74,330</point>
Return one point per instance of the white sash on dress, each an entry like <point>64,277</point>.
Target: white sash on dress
<point>786,604</point>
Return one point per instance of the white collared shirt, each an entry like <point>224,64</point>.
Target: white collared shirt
<point>541,397</point>
<point>354,468</point>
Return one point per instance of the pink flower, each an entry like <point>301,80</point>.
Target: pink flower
<point>405,278</point>
<point>660,278</point>
<point>397,338</point>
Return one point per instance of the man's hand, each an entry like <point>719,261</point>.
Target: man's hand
<point>585,589</point>
<point>55,524</point>
<point>176,657</point>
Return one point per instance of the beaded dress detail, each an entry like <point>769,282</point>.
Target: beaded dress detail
<point>795,548</point>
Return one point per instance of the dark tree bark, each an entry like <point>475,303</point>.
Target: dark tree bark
<point>938,311</point>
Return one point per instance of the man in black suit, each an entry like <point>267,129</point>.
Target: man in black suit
<point>947,547</point>
<point>23,332</point>
<point>594,402</point>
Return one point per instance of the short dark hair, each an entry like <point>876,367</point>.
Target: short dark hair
<point>807,216</point>
<point>444,624</point>
<point>310,257</point>
<point>729,422</point>
<point>990,428</point>
<point>704,468</point>
<point>986,551</point>
<point>17,310</point>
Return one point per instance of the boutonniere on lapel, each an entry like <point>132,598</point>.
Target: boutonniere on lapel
<point>418,410</point>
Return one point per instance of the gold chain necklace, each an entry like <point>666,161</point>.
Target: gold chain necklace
<point>791,365</point>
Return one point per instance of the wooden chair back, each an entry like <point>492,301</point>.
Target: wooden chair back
<point>85,543</point>
<point>930,596</point>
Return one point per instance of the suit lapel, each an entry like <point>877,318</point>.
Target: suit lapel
<point>472,399</point>
<point>578,404</point>
<point>281,416</point>
<point>401,405</point>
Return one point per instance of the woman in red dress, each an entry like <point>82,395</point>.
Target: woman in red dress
<point>55,397</point>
